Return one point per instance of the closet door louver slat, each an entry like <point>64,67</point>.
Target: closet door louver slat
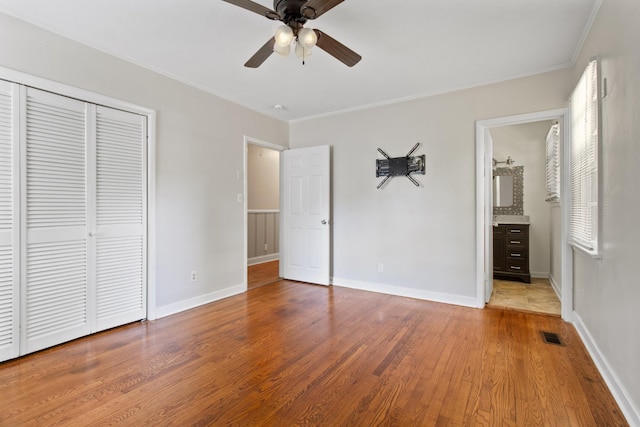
<point>9,286</point>
<point>120,217</point>
<point>55,290</point>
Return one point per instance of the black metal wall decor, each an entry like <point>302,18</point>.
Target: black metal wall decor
<point>400,166</point>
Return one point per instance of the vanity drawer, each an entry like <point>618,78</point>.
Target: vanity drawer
<point>516,231</point>
<point>517,266</point>
<point>517,241</point>
<point>514,253</point>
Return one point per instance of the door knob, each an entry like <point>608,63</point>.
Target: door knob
<point>324,221</point>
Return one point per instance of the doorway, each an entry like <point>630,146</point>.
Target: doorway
<point>525,272</point>
<point>484,213</point>
<point>262,212</point>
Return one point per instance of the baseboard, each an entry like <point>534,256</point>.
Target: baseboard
<point>555,286</point>
<point>179,306</point>
<point>263,258</point>
<point>405,292</point>
<point>540,274</point>
<point>620,394</point>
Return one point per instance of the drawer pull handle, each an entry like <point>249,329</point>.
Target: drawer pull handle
<point>515,242</point>
<point>514,267</point>
<point>517,230</point>
<point>516,255</point>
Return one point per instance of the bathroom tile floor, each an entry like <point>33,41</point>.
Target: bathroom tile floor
<point>537,296</point>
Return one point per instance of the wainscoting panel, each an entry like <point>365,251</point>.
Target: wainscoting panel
<point>263,229</point>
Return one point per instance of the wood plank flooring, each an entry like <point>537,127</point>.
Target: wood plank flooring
<point>294,354</point>
<point>263,274</point>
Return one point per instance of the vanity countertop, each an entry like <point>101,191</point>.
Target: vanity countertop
<point>511,219</point>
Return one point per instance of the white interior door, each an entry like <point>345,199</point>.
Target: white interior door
<point>305,209</point>
<point>488,220</point>
<point>54,291</point>
<point>120,219</point>
<point>73,218</point>
<point>9,223</point>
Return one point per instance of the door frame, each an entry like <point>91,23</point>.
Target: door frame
<point>260,143</point>
<point>484,247</point>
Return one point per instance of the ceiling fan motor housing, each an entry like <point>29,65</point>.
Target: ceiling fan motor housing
<point>290,11</point>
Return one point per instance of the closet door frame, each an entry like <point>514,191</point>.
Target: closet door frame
<point>13,348</point>
<point>98,99</point>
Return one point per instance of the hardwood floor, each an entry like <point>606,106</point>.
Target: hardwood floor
<point>263,274</point>
<point>293,354</point>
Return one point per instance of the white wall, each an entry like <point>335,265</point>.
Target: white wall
<point>200,224</point>
<point>526,144</point>
<point>424,237</point>
<point>607,290</point>
<point>263,178</point>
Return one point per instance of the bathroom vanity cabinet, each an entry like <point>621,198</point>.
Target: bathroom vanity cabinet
<point>511,252</point>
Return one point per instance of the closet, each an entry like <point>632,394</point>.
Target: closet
<point>72,218</point>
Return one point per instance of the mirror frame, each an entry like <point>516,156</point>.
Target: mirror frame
<point>518,191</point>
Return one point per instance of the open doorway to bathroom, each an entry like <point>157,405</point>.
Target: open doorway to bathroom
<point>544,282</point>
<point>526,222</point>
<point>263,214</point>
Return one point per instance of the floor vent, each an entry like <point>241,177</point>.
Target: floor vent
<point>551,338</point>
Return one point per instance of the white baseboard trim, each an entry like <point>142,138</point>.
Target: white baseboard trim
<point>179,306</point>
<point>540,274</point>
<point>555,287</point>
<point>263,258</point>
<point>405,292</point>
<point>620,394</point>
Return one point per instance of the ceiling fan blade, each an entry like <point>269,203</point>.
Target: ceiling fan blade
<point>314,8</point>
<point>261,55</point>
<point>337,49</point>
<point>255,7</point>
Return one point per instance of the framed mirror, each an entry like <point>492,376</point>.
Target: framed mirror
<point>508,191</point>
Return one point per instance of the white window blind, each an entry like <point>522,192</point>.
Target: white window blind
<point>584,161</point>
<point>553,164</point>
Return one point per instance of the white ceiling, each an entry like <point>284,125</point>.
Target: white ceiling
<point>410,48</point>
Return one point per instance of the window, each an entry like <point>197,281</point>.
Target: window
<point>583,227</point>
<point>553,164</point>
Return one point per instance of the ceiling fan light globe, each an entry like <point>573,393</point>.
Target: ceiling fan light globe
<point>302,52</point>
<point>307,37</point>
<point>282,50</point>
<point>283,35</point>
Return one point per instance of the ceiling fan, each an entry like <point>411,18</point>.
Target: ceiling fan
<point>294,14</point>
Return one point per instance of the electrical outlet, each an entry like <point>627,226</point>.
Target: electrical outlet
<point>194,276</point>
<point>266,248</point>
<point>380,267</point>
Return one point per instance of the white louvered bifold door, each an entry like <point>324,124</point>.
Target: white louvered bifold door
<point>9,217</point>
<point>54,246</point>
<point>120,223</point>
